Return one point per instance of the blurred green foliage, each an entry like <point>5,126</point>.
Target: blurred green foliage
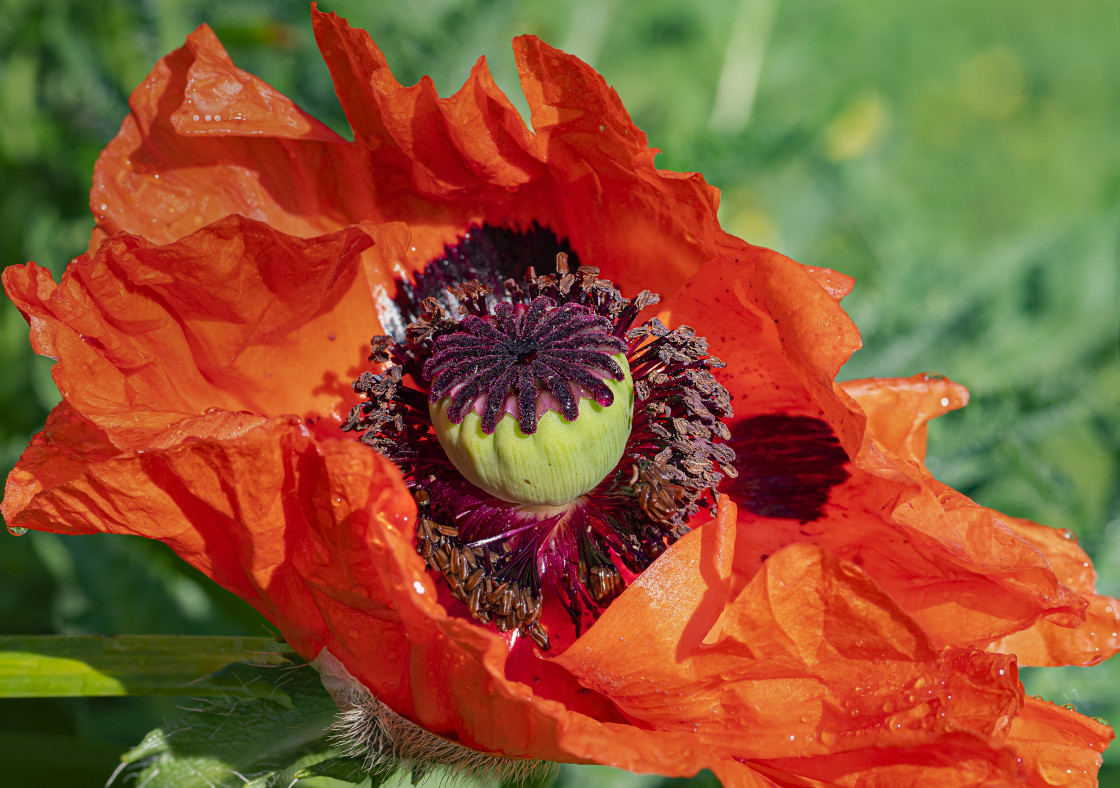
<point>958,158</point>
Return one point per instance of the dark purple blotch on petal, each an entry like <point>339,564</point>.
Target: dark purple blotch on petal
<point>787,465</point>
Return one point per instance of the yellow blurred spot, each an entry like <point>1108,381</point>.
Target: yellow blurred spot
<point>740,215</point>
<point>858,129</point>
<point>991,82</point>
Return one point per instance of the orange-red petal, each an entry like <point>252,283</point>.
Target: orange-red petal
<point>166,175</point>
<point>1047,642</point>
<point>236,315</point>
<point>964,574</point>
<point>436,163</point>
<point>1057,746</point>
<point>1068,633</point>
<point>810,658</point>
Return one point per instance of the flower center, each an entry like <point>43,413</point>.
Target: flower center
<point>532,404</point>
<point>550,445</point>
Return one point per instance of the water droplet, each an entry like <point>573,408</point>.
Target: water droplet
<point>17,530</point>
<point>208,117</point>
<point>416,584</point>
<point>1070,535</point>
<point>217,117</point>
<point>196,117</point>
<point>944,402</point>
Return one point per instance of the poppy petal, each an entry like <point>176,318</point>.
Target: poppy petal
<point>812,656</point>
<point>166,175</point>
<point>63,449</point>
<point>784,339</point>
<point>220,99</point>
<point>1058,746</point>
<point>954,760</point>
<point>440,147</point>
<point>898,412</point>
<point>237,315</point>
<point>612,199</point>
<point>1049,643</point>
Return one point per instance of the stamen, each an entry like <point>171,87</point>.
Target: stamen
<point>544,354</point>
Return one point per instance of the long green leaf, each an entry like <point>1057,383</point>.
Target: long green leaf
<point>67,666</point>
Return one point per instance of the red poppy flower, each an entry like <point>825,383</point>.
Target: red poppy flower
<point>841,617</point>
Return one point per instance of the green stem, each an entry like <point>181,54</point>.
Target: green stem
<point>43,666</point>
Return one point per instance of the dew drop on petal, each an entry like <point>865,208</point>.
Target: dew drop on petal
<point>418,586</point>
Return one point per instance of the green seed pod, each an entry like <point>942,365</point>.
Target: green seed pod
<point>558,463</point>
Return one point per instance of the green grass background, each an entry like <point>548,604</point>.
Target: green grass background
<point>960,159</point>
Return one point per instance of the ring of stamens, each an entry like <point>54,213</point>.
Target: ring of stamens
<point>503,562</point>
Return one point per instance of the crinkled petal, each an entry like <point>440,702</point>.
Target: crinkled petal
<point>237,316</point>
<point>898,412</point>
<point>63,449</point>
<point>809,658</point>
<point>962,572</point>
<point>464,145</point>
<point>166,174</point>
<point>1048,643</point>
<point>646,228</point>
<point>220,99</point>
<point>953,760</point>
<point>1057,746</point>
<point>438,164</point>
<point>213,500</point>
